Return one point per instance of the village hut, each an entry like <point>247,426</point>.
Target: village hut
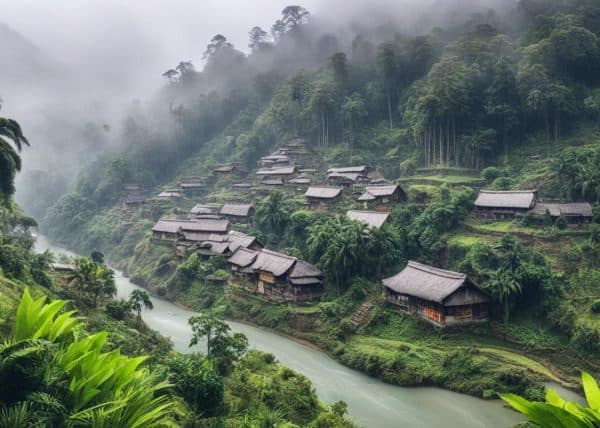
<point>283,173</point>
<point>63,267</point>
<point>277,159</point>
<point>241,262</point>
<point>382,197</point>
<point>201,209</point>
<point>441,297</point>
<point>347,179</point>
<point>167,229</point>
<point>280,278</point>
<point>322,198</point>
<point>574,212</point>
<point>189,230</point>
<point>237,213</point>
<point>371,218</point>
<point>362,169</point>
<point>191,186</point>
<point>242,240</point>
<point>501,204</point>
<point>235,168</point>
<point>301,181</point>
<point>241,188</point>
<point>170,194</point>
<point>275,181</point>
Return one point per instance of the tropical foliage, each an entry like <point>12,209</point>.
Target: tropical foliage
<point>556,412</point>
<point>52,374</point>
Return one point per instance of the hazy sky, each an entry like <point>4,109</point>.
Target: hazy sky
<point>128,43</point>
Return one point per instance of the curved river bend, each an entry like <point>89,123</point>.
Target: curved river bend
<point>371,403</point>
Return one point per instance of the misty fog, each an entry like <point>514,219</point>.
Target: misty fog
<point>73,69</point>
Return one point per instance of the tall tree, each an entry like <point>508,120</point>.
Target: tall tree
<point>386,65</point>
<point>11,137</point>
<point>138,300</point>
<point>259,39</point>
<point>354,111</point>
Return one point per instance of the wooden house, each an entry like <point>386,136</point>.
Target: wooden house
<point>280,277</point>
<point>441,297</point>
<point>191,186</point>
<point>574,212</point>
<point>241,262</point>
<point>226,244</point>
<point>371,218</point>
<point>276,159</point>
<point>189,230</point>
<point>268,181</point>
<point>237,213</point>
<point>301,181</point>
<point>382,197</point>
<point>170,194</point>
<point>348,176</point>
<point>234,168</point>
<point>241,188</point>
<point>501,204</point>
<point>282,173</point>
<point>322,198</point>
<point>201,209</point>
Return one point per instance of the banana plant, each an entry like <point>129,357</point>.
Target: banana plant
<point>558,413</point>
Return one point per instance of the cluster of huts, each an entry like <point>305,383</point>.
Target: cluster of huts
<point>507,204</point>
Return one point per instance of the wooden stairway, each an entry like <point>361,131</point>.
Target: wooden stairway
<point>361,313</point>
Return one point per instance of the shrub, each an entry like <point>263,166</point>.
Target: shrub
<point>528,219</point>
<point>503,183</point>
<point>161,290</point>
<point>586,337</point>
<point>561,222</point>
<point>595,306</point>
<point>118,309</point>
<point>491,173</point>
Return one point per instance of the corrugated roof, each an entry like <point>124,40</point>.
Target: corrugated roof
<point>372,218</point>
<point>359,169</point>
<point>274,263</point>
<point>243,257</point>
<point>523,199</point>
<point>239,210</point>
<point>582,209</point>
<point>425,282</point>
<point>323,192</point>
<point>287,170</point>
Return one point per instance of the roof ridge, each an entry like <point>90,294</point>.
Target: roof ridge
<point>369,211</point>
<point>507,191</point>
<point>275,253</point>
<point>436,271</point>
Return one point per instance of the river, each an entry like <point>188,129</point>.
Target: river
<point>371,403</point>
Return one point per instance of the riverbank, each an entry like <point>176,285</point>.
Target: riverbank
<point>371,403</point>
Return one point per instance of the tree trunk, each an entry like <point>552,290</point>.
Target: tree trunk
<point>441,144</point>
<point>389,97</point>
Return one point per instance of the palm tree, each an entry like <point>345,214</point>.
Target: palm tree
<point>10,161</point>
<point>503,286</point>
<point>383,247</point>
<point>139,299</point>
<point>273,213</point>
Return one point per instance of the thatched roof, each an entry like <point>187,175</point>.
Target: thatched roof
<point>243,257</point>
<point>362,169</point>
<point>373,192</point>
<point>425,282</point>
<point>201,209</point>
<point>206,225</point>
<point>272,181</point>
<point>522,199</point>
<point>287,170</point>
<point>196,236</point>
<point>170,194</point>
<point>304,273</point>
<point>170,225</point>
<point>238,210</point>
<point>344,176</point>
<point>63,267</point>
<point>276,264</point>
<point>573,209</point>
<point>323,192</point>
<point>372,218</point>
<point>238,239</point>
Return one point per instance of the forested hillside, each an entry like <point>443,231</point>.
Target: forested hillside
<point>500,100</point>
